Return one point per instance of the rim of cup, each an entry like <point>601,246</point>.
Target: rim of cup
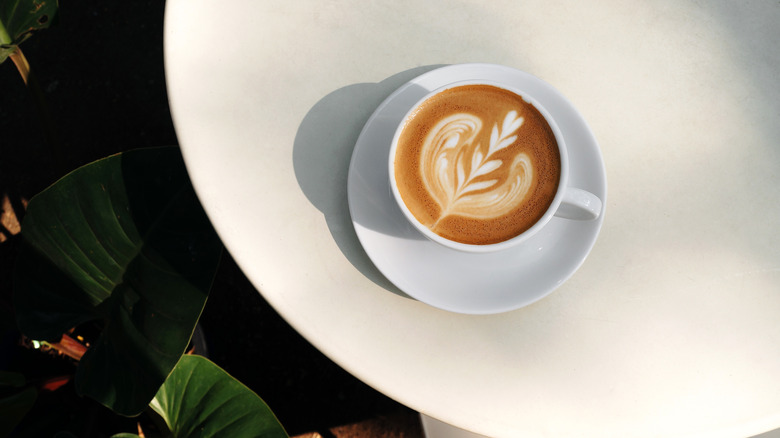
<point>491,247</point>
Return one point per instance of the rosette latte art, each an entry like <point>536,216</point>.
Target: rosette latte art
<point>465,178</point>
<point>477,164</point>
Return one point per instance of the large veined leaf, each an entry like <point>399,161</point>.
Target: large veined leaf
<point>20,18</point>
<point>123,242</point>
<point>14,404</point>
<point>199,399</point>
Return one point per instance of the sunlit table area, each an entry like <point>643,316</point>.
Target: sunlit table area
<point>659,319</point>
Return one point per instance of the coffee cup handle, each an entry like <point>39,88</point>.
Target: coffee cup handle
<point>579,204</point>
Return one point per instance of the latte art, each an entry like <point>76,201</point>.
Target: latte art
<point>477,164</point>
<point>465,178</point>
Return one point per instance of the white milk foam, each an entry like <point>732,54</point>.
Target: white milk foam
<point>477,164</point>
<point>468,179</point>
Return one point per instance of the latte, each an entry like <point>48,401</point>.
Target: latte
<point>477,164</point>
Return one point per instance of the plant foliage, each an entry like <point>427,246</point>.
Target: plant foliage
<point>199,399</point>
<point>21,18</point>
<point>121,243</point>
<point>16,399</point>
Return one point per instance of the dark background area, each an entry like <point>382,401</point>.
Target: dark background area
<point>101,70</point>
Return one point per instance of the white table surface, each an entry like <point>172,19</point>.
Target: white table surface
<point>670,328</point>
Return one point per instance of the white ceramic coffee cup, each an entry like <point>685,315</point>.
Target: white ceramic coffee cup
<point>569,202</point>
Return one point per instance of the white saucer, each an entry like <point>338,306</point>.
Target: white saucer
<point>452,280</point>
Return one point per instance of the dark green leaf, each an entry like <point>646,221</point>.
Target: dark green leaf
<point>20,18</point>
<point>8,378</point>
<point>14,407</point>
<point>199,399</point>
<point>122,241</point>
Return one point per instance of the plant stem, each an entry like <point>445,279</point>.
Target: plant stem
<point>21,64</point>
<point>5,38</point>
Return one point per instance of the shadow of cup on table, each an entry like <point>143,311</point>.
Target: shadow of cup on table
<point>321,157</point>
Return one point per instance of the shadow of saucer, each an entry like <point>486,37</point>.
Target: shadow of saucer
<point>321,156</point>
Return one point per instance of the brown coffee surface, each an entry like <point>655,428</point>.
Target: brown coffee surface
<point>477,164</point>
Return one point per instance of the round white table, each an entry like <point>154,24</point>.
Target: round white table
<point>671,325</point>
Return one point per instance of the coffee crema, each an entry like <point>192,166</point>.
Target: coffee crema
<point>477,164</point>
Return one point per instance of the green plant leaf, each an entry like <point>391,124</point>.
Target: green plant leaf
<point>199,399</point>
<point>124,242</point>
<point>14,407</point>
<point>8,378</point>
<point>20,18</point>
